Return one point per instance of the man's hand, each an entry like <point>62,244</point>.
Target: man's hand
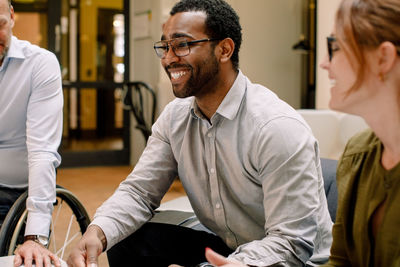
<point>220,261</point>
<point>31,251</point>
<point>88,249</point>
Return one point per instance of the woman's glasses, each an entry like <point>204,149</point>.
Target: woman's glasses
<point>180,46</point>
<point>331,47</point>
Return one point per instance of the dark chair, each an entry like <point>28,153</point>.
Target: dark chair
<point>329,173</point>
<point>141,100</point>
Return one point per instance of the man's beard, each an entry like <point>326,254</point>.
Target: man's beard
<point>208,71</point>
<point>3,54</point>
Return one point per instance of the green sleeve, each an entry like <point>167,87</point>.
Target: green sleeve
<point>338,255</point>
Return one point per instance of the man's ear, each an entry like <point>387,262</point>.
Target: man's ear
<point>387,54</point>
<point>225,49</point>
<point>12,16</point>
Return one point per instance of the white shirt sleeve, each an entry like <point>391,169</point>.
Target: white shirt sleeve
<point>43,136</point>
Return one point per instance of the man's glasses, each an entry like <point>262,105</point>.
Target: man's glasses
<point>180,46</point>
<point>331,48</point>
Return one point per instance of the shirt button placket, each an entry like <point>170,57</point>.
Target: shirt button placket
<point>213,180</point>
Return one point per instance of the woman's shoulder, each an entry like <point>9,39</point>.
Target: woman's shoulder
<point>362,142</point>
<point>356,151</point>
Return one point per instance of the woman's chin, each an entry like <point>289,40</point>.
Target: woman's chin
<point>334,105</point>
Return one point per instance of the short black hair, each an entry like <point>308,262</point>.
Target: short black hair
<point>221,22</point>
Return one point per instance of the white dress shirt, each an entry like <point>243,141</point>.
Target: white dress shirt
<point>252,176</point>
<point>31,103</point>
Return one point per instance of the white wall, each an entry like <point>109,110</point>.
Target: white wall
<point>270,28</point>
<point>326,10</point>
<point>165,94</point>
<point>143,62</point>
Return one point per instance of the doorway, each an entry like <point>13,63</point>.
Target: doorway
<point>89,40</point>
<point>98,126</point>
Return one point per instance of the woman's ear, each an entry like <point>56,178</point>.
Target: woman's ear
<point>387,54</point>
<point>226,48</point>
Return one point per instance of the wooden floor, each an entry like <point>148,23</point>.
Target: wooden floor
<point>93,185</point>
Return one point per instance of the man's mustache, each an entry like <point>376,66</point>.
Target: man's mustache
<point>178,66</point>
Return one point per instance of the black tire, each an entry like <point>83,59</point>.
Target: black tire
<point>13,217</point>
<point>76,206</point>
<point>10,222</point>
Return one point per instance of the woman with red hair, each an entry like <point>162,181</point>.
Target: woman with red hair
<point>363,64</point>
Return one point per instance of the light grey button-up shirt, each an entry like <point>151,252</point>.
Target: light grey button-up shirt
<point>252,176</point>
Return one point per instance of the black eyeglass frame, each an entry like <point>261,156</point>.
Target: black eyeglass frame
<point>188,43</point>
<point>331,50</point>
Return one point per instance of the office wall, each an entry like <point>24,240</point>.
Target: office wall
<point>270,28</point>
<point>37,23</point>
<point>144,65</point>
<point>326,10</point>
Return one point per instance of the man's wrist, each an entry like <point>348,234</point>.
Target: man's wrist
<point>42,240</point>
<point>100,235</point>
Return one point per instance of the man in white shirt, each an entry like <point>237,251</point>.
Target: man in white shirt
<point>31,104</point>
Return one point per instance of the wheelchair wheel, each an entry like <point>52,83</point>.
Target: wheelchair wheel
<point>69,221</point>
<point>14,217</point>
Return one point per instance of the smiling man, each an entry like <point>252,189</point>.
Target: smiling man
<point>247,161</point>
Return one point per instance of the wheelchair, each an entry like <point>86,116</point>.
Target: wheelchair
<point>69,221</point>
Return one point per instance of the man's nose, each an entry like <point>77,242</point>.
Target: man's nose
<point>170,56</point>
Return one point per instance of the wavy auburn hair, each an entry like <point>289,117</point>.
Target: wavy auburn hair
<point>363,25</point>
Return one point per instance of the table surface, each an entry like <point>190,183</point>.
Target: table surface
<point>7,261</point>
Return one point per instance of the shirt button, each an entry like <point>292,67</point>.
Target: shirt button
<point>209,135</point>
<point>218,205</point>
<point>212,170</point>
<point>387,185</point>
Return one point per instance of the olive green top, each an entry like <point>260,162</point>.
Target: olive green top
<point>363,184</point>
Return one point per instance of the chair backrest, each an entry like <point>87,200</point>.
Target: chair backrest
<point>141,100</point>
<point>332,129</point>
<point>329,174</point>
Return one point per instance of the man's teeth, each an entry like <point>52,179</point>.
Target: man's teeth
<point>178,74</point>
<point>333,82</point>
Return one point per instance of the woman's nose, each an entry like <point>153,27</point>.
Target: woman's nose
<point>324,64</point>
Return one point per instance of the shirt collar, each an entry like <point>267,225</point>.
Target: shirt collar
<point>15,51</point>
<point>194,109</point>
<point>230,105</point>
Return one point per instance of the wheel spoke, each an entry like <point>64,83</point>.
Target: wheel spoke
<point>67,235</point>
<point>67,243</point>
<point>54,223</point>
<point>62,234</point>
